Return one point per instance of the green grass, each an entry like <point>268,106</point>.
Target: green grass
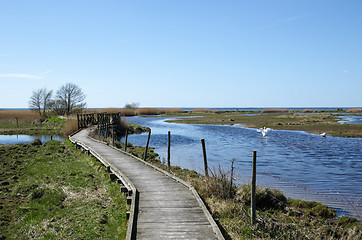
<point>53,191</point>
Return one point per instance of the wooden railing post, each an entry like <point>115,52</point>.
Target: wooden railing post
<point>205,158</point>
<point>125,141</point>
<point>169,151</point>
<point>148,141</point>
<point>253,190</point>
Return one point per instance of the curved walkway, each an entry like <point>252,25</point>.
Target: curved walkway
<point>168,208</point>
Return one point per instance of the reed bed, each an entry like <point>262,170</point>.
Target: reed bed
<point>147,111</point>
<point>307,111</point>
<point>201,110</point>
<point>354,110</point>
<point>274,110</point>
<point>171,110</point>
<point>21,115</point>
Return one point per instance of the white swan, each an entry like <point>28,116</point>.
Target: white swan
<point>323,134</point>
<point>264,130</point>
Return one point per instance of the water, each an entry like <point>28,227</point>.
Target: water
<point>346,118</point>
<point>14,139</point>
<point>304,166</point>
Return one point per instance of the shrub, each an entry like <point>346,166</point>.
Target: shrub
<point>265,197</point>
<point>307,111</point>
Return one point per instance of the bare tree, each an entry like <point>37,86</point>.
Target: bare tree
<point>35,102</point>
<point>70,97</point>
<point>131,105</point>
<point>46,97</point>
<point>40,99</point>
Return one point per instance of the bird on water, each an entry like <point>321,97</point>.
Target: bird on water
<point>264,130</point>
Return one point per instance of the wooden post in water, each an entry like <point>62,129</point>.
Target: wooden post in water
<point>169,151</point>
<point>253,190</point>
<point>205,158</point>
<point>148,141</point>
<point>125,141</point>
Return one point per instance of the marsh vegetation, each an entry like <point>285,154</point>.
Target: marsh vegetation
<point>53,191</point>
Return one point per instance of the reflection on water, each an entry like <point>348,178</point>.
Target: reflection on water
<point>14,139</point>
<point>303,165</point>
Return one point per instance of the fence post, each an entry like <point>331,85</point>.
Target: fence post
<point>78,120</point>
<point>17,122</point>
<point>253,190</point>
<point>113,135</point>
<point>205,159</point>
<point>148,141</point>
<point>169,151</point>
<point>125,141</point>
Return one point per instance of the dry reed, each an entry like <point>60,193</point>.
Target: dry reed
<point>307,111</point>
<point>70,126</point>
<point>201,110</point>
<point>171,110</point>
<point>21,115</point>
<point>147,111</point>
<point>354,110</point>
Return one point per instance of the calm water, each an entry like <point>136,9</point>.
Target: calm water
<point>303,165</point>
<point>14,139</point>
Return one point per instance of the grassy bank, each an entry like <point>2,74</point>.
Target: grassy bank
<point>53,191</point>
<point>303,121</point>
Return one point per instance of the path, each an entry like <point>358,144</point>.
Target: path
<point>167,209</point>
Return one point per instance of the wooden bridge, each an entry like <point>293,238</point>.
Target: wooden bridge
<point>162,206</point>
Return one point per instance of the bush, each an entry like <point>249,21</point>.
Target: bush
<point>265,197</point>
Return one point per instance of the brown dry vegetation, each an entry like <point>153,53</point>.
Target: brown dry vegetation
<point>21,115</point>
<point>354,110</point>
<point>201,110</point>
<point>70,126</point>
<point>147,111</point>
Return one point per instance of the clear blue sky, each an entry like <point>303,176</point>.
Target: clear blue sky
<point>184,53</point>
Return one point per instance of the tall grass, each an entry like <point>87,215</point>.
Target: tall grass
<point>70,126</point>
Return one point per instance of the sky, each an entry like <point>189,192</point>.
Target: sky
<point>184,53</point>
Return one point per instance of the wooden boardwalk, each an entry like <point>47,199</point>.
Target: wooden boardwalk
<point>167,208</point>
